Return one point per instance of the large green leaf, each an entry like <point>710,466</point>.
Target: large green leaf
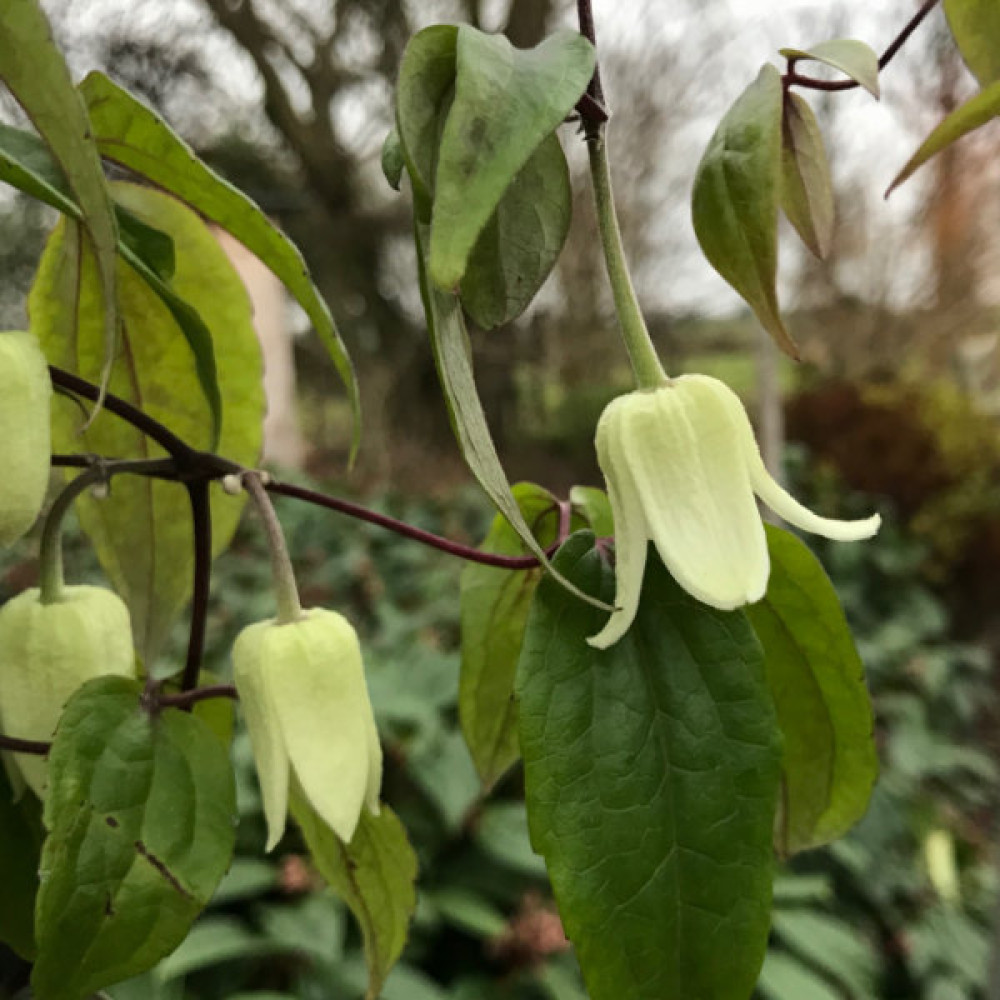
<point>737,190</point>
<point>452,356</point>
<point>806,185</point>
<point>37,75</point>
<point>26,163</point>
<point>853,58</point>
<point>521,243</point>
<point>142,532</point>
<point>141,816</point>
<point>374,875</point>
<point>424,91</point>
<point>494,607</point>
<point>975,25</point>
<point>129,133</point>
<point>20,845</point>
<point>976,112</point>
<point>652,772</point>
<point>824,710</point>
<point>506,102</point>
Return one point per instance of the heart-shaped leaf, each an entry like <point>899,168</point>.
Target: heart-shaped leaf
<point>506,102</point>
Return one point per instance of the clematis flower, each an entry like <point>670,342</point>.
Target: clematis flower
<point>682,467</point>
<point>304,697</point>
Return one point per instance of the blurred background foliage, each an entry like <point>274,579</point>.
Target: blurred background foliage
<point>896,407</point>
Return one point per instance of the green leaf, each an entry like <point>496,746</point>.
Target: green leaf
<point>452,356</point>
<point>142,531</point>
<point>652,772</point>
<point>521,243</point>
<point>423,94</point>
<point>594,507</point>
<point>831,945</point>
<point>20,846</point>
<point>374,875</point>
<point>130,134</point>
<point>494,606</point>
<point>38,77</point>
<point>977,111</point>
<point>393,162</point>
<point>806,185</point>
<point>975,25</point>
<point>506,102</point>
<point>851,57</point>
<point>786,978</point>
<point>211,941</point>
<point>153,248</point>
<point>824,710</point>
<point>502,833</point>
<point>141,815</point>
<point>26,163</point>
<point>737,189</point>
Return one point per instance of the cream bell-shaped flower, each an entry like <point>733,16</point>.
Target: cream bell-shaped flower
<point>304,697</point>
<point>682,467</point>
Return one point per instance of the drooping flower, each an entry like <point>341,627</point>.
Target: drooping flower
<point>304,697</point>
<point>682,467</point>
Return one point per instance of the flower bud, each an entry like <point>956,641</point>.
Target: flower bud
<point>46,652</point>
<point>25,443</point>
<point>304,697</point>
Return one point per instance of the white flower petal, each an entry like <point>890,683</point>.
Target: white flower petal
<point>631,534</point>
<point>685,445</point>
<point>269,752</point>
<point>321,700</point>
<point>374,786</point>
<point>786,506</point>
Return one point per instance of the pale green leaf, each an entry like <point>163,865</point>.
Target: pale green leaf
<point>806,185</point>
<point>973,114</point>
<point>506,102</point>
<point>452,356</point>
<point>652,771</point>
<point>129,133</point>
<point>494,606</point>
<point>374,875</point>
<point>423,94</point>
<point>975,25</point>
<point>851,57</point>
<point>786,978</point>
<point>142,531</point>
<point>141,817</point>
<point>824,710</point>
<point>37,75</point>
<point>734,204</point>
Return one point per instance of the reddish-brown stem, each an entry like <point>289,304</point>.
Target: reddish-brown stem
<point>16,745</point>
<point>187,699</point>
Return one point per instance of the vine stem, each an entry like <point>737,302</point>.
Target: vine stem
<point>791,78</point>
<point>285,590</point>
<point>201,519</point>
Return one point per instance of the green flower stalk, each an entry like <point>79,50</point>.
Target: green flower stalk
<point>304,697</point>
<point>682,467</point>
